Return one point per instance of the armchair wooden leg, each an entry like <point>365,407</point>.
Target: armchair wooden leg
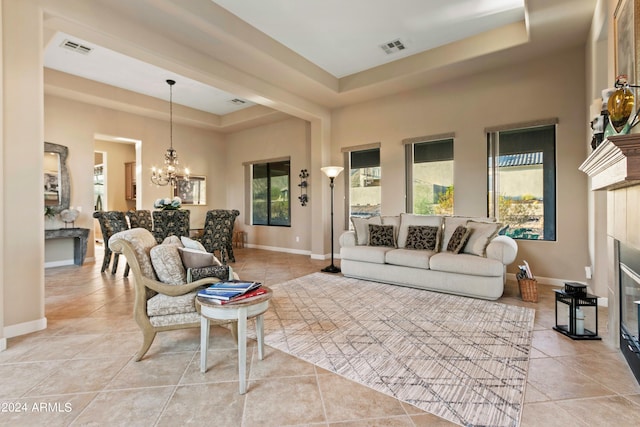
<point>126,270</point>
<point>147,337</point>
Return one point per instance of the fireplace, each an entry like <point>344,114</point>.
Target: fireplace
<point>614,166</point>
<point>629,280</point>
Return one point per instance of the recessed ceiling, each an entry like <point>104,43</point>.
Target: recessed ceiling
<point>103,65</point>
<point>346,37</point>
<point>302,57</point>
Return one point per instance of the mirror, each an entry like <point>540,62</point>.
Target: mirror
<point>192,191</point>
<point>57,190</point>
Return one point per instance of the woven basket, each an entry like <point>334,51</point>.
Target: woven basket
<point>528,289</point>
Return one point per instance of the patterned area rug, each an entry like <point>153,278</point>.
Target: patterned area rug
<point>462,359</point>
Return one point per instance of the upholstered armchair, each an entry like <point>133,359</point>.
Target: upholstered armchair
<point>218,233</point>
<point>170,223</point>
<point>159,305</point>
<point>111,222</point>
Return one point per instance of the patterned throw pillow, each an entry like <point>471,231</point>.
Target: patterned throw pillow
<point>219,271</point>
<point>458,239</point>
<point>381,235</point>
<point>423,237</point>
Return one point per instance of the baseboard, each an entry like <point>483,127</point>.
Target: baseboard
<point>25,328</point>
<point>65,262</point>
<point>277,249</point>
<point>3,344</point>
<point>559,283</point>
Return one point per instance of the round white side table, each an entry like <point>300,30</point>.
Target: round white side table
<point>240,311</point>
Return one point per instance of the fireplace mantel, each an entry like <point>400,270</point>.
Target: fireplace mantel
<point>615,163</point>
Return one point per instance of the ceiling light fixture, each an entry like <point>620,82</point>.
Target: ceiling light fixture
<point>169,173</point>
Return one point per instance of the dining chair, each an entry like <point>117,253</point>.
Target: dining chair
<point>218,233</point>
<point>111,222</point>
<point>170,222</point>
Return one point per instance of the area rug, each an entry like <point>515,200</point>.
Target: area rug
<point>462,359</point>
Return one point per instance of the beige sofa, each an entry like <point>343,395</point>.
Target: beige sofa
<point>477,270</point>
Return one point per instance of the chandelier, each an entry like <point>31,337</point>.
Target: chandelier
<point>170,172</point>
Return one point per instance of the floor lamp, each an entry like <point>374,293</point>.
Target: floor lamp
<point>331,172</point>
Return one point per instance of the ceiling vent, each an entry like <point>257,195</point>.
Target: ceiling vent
<point>237,101</point>
<point>392,46</point>
<point>76,47</point>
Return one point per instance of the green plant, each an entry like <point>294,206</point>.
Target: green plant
<point>49,212</point>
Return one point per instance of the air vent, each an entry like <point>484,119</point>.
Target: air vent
<point>237,101</point>
<point>76,47</point>
<point>392,46</point>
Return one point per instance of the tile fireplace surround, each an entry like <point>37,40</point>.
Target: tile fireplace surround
<point>614,166</point>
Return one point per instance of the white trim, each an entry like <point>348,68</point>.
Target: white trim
<point>3,344</point>
<point>25,328</point>
<point>65,262</point>
<point>277,249</point>
<point>58,263</point>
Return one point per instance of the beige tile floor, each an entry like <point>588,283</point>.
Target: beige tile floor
<point>79,371</point>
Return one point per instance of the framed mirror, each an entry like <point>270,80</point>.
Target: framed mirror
<point>57,189</point>
<point>192,191</point>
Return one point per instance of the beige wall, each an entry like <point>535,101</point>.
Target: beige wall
<point>75,124</point>
<point>288,138</point>
<point>514,94</point>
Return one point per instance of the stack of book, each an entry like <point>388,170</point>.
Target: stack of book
<point>229,291</point>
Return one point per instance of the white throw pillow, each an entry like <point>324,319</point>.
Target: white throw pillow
<point>411,219</point>
<point>361,227</point>
<point>192,244</point>
<point>167,264</point>
<point>480,237</point>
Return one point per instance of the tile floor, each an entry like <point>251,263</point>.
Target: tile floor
<point>79,371</point>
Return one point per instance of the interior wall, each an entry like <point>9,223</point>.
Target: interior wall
<point>282,139</point>
<point>74,124</point>
<point>22,148</point>
<point>514,94</point>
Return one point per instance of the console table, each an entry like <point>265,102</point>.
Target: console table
<point>80,237</point>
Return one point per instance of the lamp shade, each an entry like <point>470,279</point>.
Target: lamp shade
<point>332,171</point>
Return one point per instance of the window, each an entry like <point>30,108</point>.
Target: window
<point>430,177</point>
<point>522,187</point>
<point>270,193</point>
<point>364,182</point>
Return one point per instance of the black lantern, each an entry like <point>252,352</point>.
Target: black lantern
<point>576,312</point>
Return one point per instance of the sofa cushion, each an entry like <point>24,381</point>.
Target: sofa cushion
<point>168,264</point>
<point>374,254</point>
<point>458,239</point>
<point>425,237</point>
<point>361,227</point>
<point>453,222</point>
<point>162,305</point>
<point>395,222</point>
<point>410,219</point>
<point>466,264</point>
<point>481,235</point>
<point>409,258</point>
<point>188,242</point>
<point>381,235</point>
<point>192,258</point>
